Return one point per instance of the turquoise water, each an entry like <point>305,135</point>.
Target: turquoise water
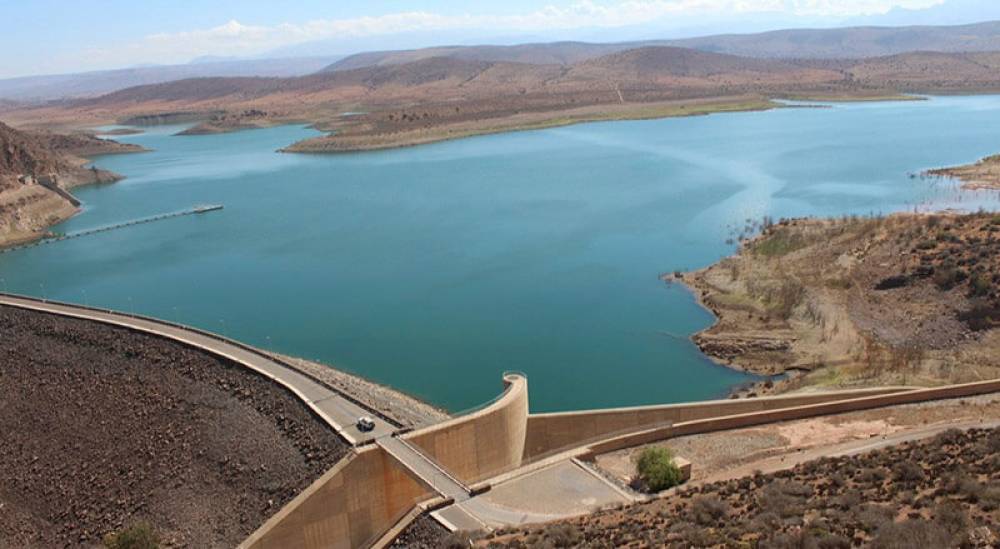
<point>433,269</point>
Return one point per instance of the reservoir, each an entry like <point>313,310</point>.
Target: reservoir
<point>433,269</point>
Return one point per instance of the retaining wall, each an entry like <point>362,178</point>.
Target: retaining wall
<point>552,432</point>
<point>484,443</point>
<point>351,505</point>
<point>737,421</point>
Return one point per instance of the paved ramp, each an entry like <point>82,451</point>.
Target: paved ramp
<point>564,489</point>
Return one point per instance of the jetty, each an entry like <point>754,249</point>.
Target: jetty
<point>194,210</point>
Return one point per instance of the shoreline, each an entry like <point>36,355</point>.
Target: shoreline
<point>358,133</point>
<point>822,301</point>
<point>981,175</point>
<point>73,175</point>
<point>343,141</point>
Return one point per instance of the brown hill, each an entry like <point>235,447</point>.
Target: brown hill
<point>439,79</point>
<point>931,71</point>
<point>45,153</point>
<point>92,84</point>
<point>849,43</point>
<point>445,97</point>
<point>842,43</point>
<point>682,62</point>
<point>853,42</point>
<point>22,153</point>
<point>339,85</point>
<point>665,65</point>
<point>553,53</point>
<point>36,169</point>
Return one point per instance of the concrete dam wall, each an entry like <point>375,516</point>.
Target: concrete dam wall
<point>553,432</point>
<point>484,443</point>
<point>349,506</point>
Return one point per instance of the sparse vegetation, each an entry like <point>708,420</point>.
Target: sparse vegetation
<point>656,470</point>
<point>779,243</point>
<point>900,497</point>
<point>137,536</point>
<point>858,300</point>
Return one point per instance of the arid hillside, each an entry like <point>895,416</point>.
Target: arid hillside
<point>36,171</point>
<point>943,492</point>
<point>907,299</point>
<point>850,42</point>
<point>853,42</point>
<point>103,428</point>
<point>930,72</point>
<point>551,53</point>
<point>436,98</point>
<point>91,84</point>
<point>984,174</point>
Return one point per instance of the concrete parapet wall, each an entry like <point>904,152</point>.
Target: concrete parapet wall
<point>351,505</point>
<point>552,432</point>
<point>484,443</point>
<point>739,420</point>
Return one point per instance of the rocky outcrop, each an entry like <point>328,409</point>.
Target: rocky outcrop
<point>729,348</point>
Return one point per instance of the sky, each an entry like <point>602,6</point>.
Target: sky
<point>62,36</point>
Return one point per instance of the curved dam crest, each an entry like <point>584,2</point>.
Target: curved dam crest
<point>434,269</point>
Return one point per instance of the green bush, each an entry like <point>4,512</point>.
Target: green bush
<point>657,469</point>
<point>139,535</point>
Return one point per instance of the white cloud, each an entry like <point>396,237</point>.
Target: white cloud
<point>236,39</point>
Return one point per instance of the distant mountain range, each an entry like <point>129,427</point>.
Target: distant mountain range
<point>851,43</point>
<point>842,43</point>
<point>89,84</point>
<point>448,89</point>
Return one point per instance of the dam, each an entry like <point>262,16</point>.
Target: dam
<point>435,269</point>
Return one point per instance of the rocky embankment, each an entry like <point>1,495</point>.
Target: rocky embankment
<point>37,169</point>
<point>103,427</point>
<point>984,174</point>
<point>907,299</point>
<point>406,410</point>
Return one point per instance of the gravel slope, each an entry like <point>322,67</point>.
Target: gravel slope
<point>101,427</point>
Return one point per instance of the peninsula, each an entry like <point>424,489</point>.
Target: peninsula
<point>984,174</point>
<point>903,299</point>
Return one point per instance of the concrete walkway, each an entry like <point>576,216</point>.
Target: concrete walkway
<point>425,469</point>
<point>561,490</point>
<point>455,516</point>
<point>337,410</point>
